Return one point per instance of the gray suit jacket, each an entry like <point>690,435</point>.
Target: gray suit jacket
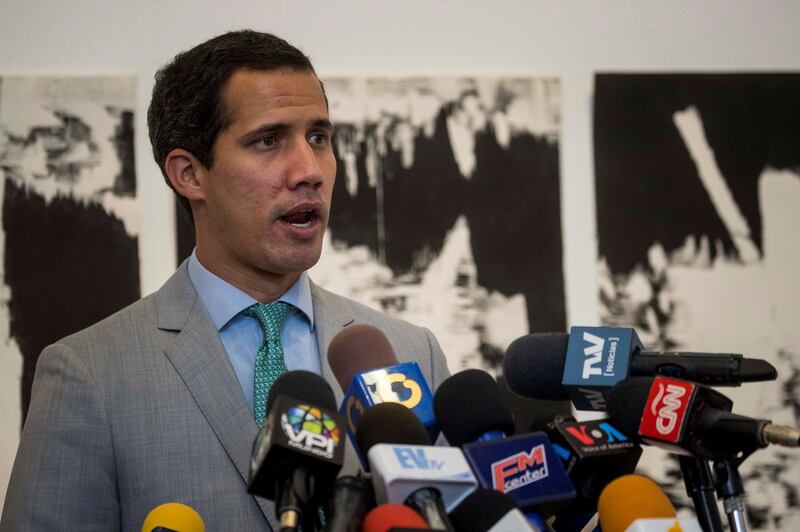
<point>144,408</point>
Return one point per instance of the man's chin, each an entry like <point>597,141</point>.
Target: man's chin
<point>294,264</point>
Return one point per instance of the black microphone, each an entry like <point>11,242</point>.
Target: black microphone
<point>407,469</point>
<point>299,450</point>
<point>473,414</point>
<point>582,365</point>
<point>593,453</point>
<point>486,510</point>
<point>351,500</point>
<point>689,418</point>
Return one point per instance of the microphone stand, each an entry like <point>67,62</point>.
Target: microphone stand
<point>700,487</point>
<point>730,489</point>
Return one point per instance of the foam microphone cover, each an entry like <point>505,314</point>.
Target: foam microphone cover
<point>390,423</point>
<point>625,403</point>
<point>303,386</point>
<point>470,404</point>
<point>534,366</point>
<point>173,516</point>
<point>385,517</point>
<point>481,510</point>
<point>356,348</point>
<point>631,497</point>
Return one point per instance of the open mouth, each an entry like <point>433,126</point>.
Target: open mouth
<point>301,219</point>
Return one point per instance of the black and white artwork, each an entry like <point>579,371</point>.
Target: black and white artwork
<point>446,208</point>
<point>70,221</point>
<point>698,208</point>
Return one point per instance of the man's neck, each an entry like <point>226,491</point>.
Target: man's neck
<point>263,286</point>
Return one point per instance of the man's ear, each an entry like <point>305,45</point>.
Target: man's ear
<point>186,173</point>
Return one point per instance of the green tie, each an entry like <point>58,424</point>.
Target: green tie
<point>269,358</point>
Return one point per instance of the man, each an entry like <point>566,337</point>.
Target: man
<point>161,401</point>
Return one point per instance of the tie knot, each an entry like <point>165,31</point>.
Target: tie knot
<point>271,316</point>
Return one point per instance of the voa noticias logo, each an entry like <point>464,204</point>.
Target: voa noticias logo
<point>519,470</point>
<point>593,362</point>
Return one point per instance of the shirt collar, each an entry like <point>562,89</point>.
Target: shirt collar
<point>224,301</point>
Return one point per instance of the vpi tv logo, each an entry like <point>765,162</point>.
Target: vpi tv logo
<point>395,387</point>
<point>411,458</point>
<point>310,430</point>
<point>519,470</point>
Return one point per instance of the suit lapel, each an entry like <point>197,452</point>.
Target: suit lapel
<point>329,318</point>
<point>200,358</point>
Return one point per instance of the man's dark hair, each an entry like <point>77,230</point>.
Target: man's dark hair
<point>187,109</point>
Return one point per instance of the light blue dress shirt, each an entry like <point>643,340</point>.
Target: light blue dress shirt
<point>242,335</point>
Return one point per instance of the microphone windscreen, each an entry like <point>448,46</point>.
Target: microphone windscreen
<point>387,516</point>
<point>356,348</point>
<point>631,497</point>
<point>303,386</point>
<point>626,401</point>
<point>470,404</point>
<point>390,423</point>
<point>174,516</point>
<point>534,366</point>
<point>481,510</point>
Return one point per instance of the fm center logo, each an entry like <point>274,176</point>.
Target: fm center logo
<point>593,364</point>
<point>519,470</point>
<point>310,430</point>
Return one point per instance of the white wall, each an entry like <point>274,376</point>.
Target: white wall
<point>568,39</point>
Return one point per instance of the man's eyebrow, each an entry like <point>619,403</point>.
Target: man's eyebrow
<point>278,127</point>
<point>323,123</point>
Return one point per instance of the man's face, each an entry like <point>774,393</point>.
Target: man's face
<point>267,194</point>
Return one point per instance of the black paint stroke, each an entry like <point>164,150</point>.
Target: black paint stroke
<point>68,264</point>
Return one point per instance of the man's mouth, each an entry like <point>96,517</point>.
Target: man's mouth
<point>303,215</point>
<point>301,219</point>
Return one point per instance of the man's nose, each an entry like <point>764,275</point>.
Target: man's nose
<point>303,166</point>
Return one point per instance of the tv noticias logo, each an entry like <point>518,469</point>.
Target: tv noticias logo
<point>666,408</point>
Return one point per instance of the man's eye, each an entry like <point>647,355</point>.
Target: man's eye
<point>267,142</point>
<point>318,138</point>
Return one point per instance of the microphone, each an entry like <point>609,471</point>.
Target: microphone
<point>487,510</point>
<point>633,503</point>
<point>470,406</point>
<point>593,454</point>
<point>173,516</point>
<point>352,498</point>
<point>583,365</point>
<point>432,480</point>
<point>393,517</point>
<point>366,367</point>
<point>688,418</point>
<point>471,410</point>
<point>299,450</point>
<point>389,423</point>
